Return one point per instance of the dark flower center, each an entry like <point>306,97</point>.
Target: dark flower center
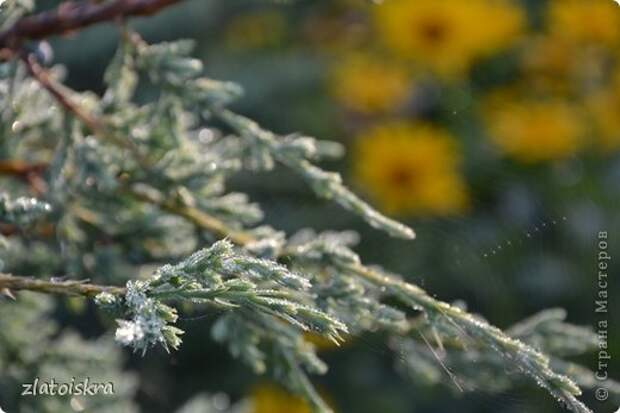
<point>401,176</point>
<point>434,31</point>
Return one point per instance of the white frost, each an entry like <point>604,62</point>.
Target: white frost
<point>128,333</point>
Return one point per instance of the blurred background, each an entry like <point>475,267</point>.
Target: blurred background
<point>491,127</point>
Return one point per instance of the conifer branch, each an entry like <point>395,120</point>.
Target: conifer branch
<point>528,360</point>
<point>63,96</point>
<point>325,184</point>
<point>72,15</point>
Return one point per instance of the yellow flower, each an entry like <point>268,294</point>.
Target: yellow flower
<point>534,131</point>
<point>269,398</point>
<point>605,110</point>
<point>256,30</point>
<point>367,84</point>
<point>554,64</point>
<point>411,168</point>
<point>589,21</point>
<point>448,36</point>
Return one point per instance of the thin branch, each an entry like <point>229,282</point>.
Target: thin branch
<point>195,216</point>
<point>71,288</point>
<point>56,90</point>
<point>29,173</point>
<point>71,16</point>
<point>21,169</point>
<point>62,95</point>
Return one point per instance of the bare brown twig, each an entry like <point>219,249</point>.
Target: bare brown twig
<point>58,92</point>
<point>20,169</point>
<point>73,15</point>
<point>29,173</point>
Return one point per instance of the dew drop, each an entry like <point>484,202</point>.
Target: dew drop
<point>76,404</point>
